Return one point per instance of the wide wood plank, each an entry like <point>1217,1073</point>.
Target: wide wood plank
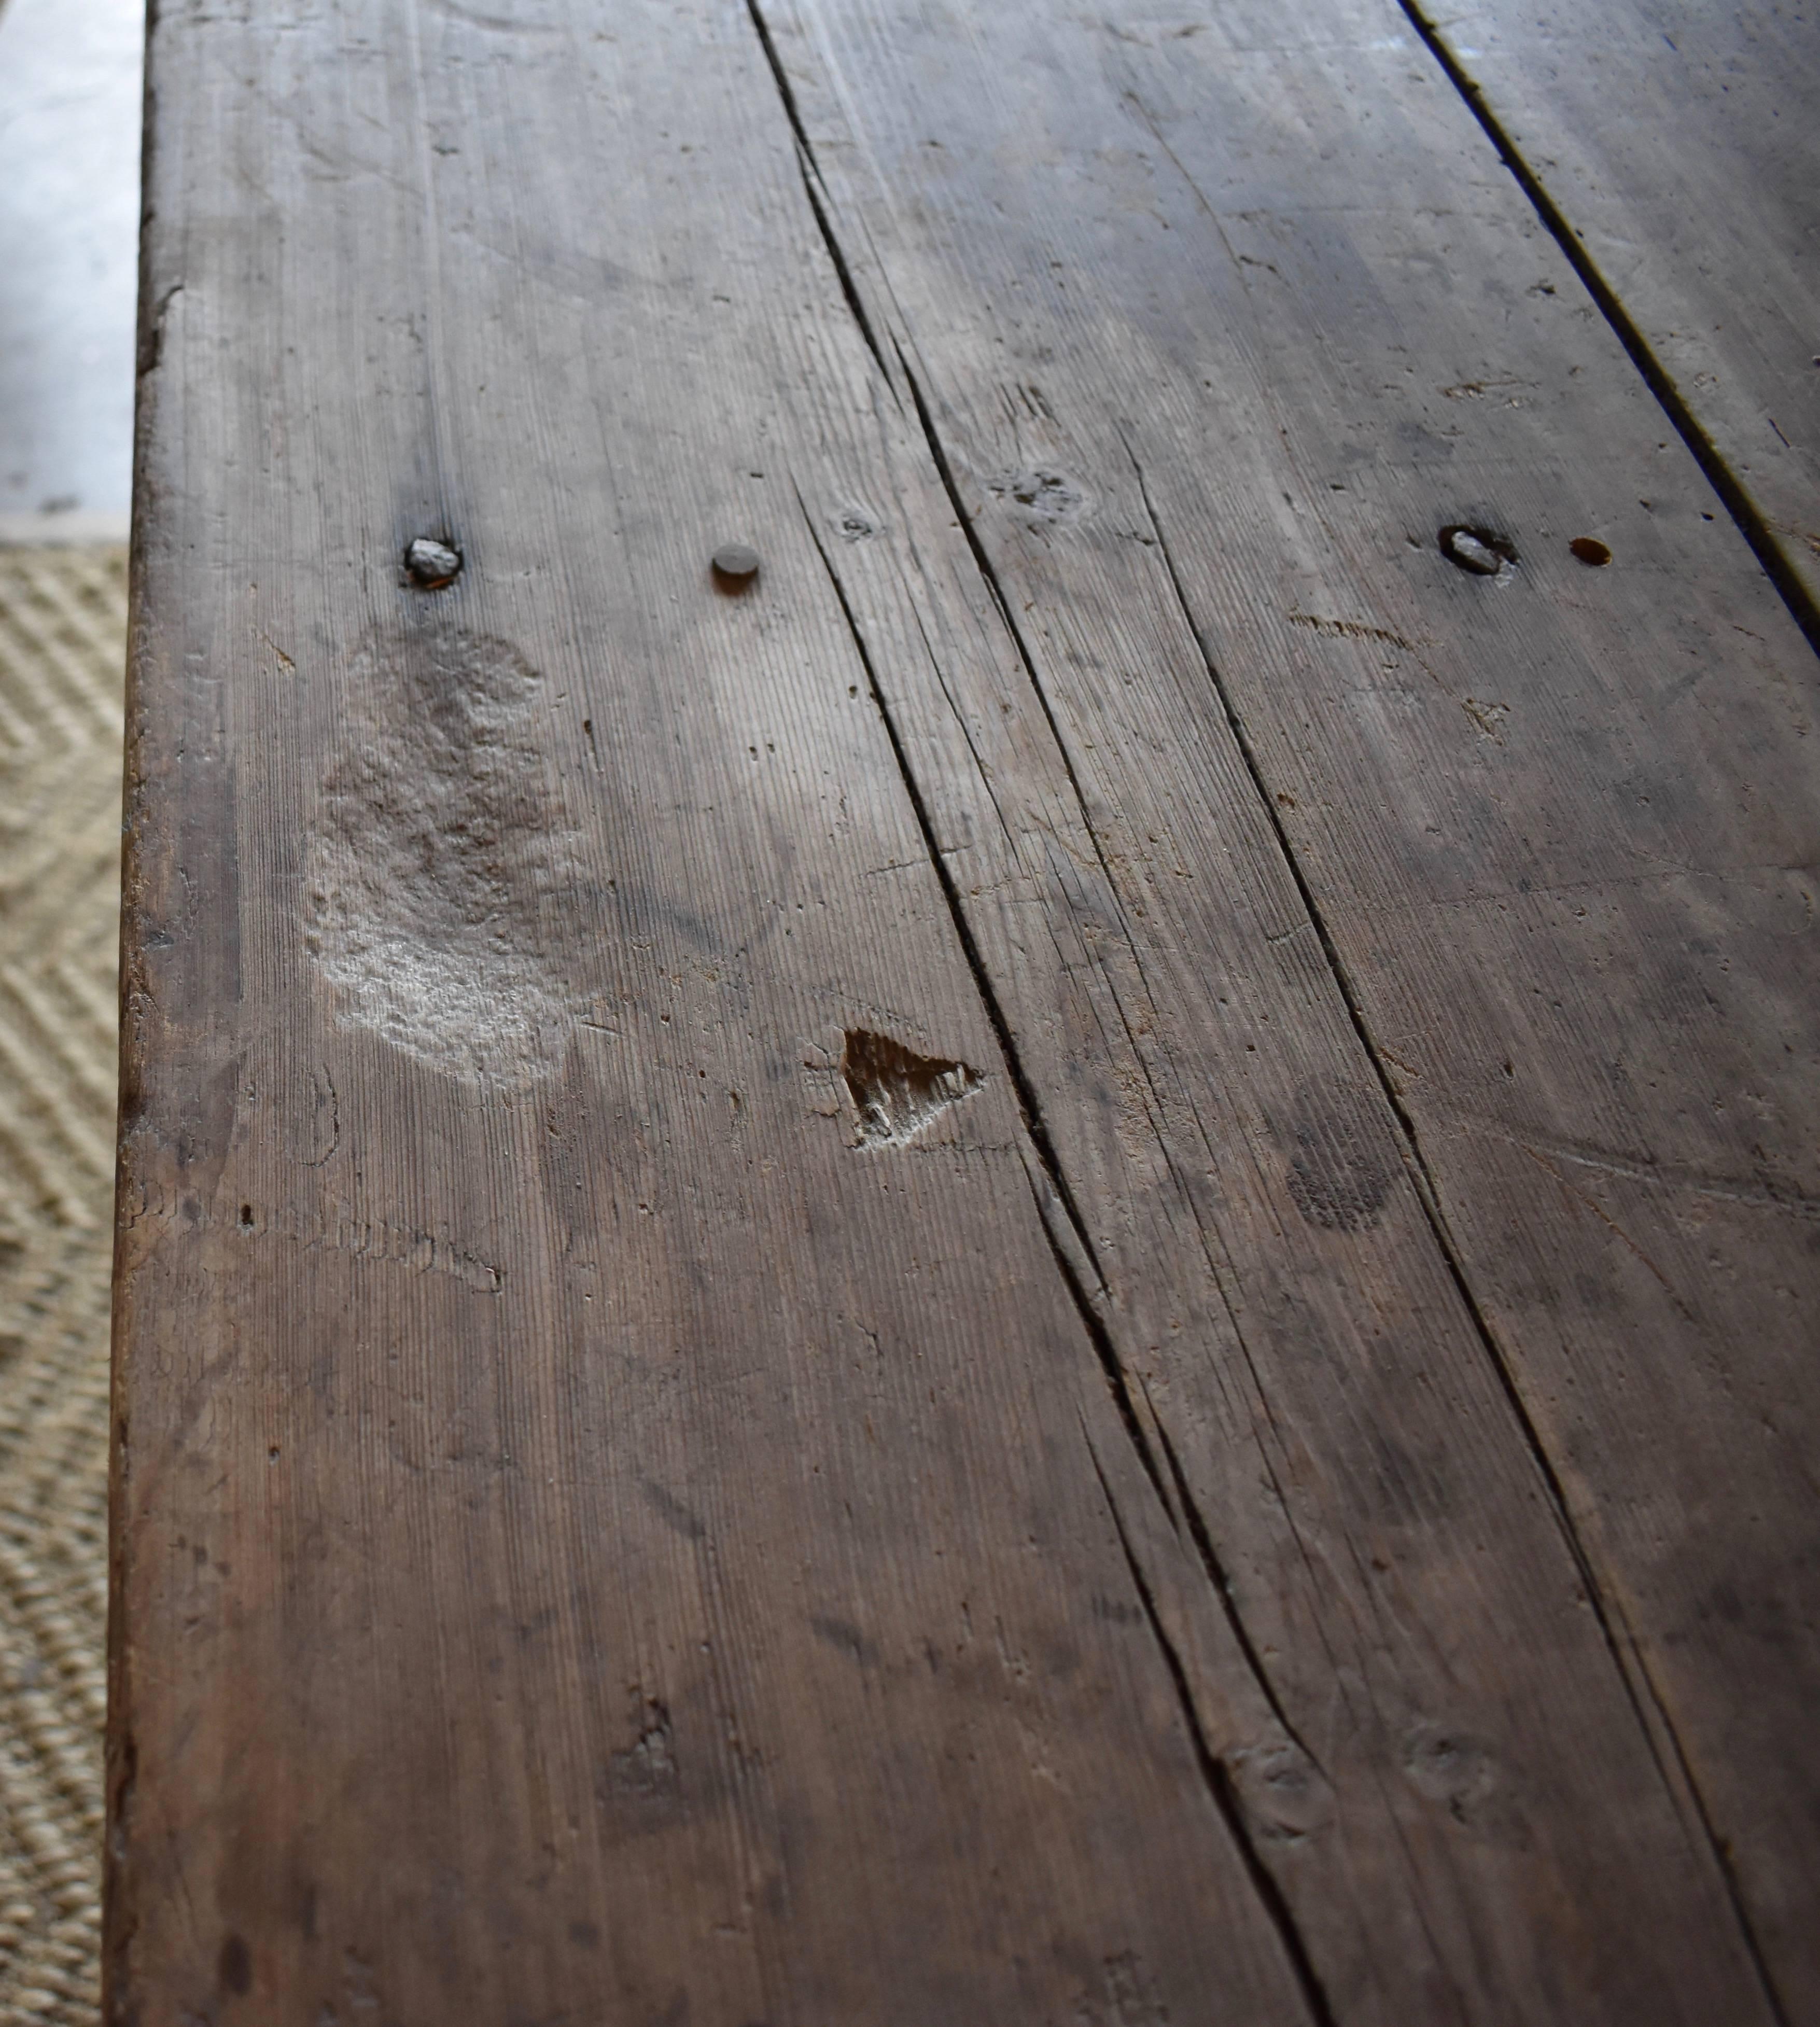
<point>1219,324</point>
<point>608,1520</point>
<point>1680,145</point>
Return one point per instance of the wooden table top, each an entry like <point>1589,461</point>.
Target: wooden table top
<point>969,1169</point>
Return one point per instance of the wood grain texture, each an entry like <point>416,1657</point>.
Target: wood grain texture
<point>1679,144</point>
<point>1219,321</point>
<point>593,1541</point>
<point>831,1304</point>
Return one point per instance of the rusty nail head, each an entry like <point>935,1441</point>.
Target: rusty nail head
<point>735,564</point>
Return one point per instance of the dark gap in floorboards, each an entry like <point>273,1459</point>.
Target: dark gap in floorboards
<point>810,171</point>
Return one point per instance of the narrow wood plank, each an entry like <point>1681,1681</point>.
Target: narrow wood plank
<point>1219,323</point>
<point>1679,144</point>
<point>608,1520</point>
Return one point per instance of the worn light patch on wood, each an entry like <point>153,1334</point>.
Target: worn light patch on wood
<point>441,902</point>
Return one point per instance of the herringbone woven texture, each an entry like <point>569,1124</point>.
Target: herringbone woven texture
<point>62,650</point>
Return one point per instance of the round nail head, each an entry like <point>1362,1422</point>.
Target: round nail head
<point>736,563</point>
<point>430,564</point>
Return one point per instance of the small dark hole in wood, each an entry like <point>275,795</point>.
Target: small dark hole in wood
<point>246,1217</point>
<point>1478,552</point>
<point>1593,554</point>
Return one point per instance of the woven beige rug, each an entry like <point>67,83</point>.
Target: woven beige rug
<point>62,648</point>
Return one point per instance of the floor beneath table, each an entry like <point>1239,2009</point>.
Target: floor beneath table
<point>70,182</point>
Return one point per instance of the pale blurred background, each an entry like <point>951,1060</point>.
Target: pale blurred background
<point>69,217</point>
<point>69,160</point>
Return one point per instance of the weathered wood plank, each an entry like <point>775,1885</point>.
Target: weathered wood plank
<point>1253,310</point>
<point>649,1557</point>
<point>593,1542</point>
<point>1679,144</point>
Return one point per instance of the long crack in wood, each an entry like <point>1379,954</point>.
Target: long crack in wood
<point>1620,1640</point>
<point>1218,1777</point>
<point>1214,1570</point>
<point>1029,1107</point>
<point>1174,1495</point>
<point>1103,1337</point>
<point>810,171</point>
